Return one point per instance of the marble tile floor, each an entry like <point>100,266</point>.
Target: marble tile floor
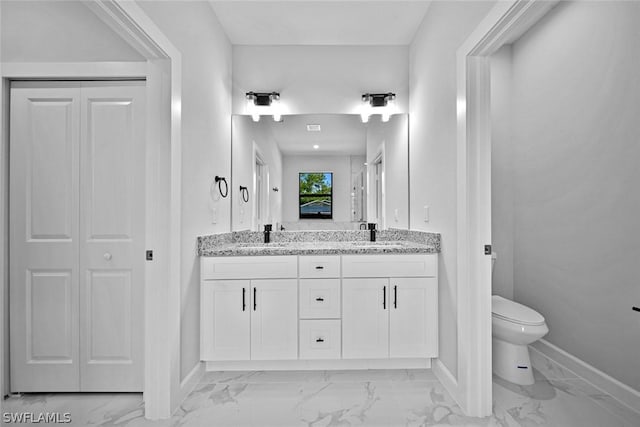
<point>347,398</point>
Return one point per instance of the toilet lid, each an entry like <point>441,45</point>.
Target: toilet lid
<point>514,312</point>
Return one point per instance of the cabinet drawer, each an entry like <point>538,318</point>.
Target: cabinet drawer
<point>249,267</point>
<point>392,265</point>
<point>320,266</point>
<point>319,298</point>
<point>320,339</point>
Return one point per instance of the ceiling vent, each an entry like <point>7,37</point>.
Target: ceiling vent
<point>313,128</point>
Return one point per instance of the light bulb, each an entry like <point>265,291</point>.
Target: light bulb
<point>365,109</point>
<point>252,109</point>
<point>275,110</point>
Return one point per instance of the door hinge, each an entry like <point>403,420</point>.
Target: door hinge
<point>487,249</point>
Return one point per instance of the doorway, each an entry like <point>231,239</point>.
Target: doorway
<point>77,234</point>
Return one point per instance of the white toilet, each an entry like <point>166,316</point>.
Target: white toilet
<point>514,326</point>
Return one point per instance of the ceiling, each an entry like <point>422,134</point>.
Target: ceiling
<point>341,134</point>
<point>299,22</point>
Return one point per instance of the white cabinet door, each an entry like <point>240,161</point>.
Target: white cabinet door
<point>365,318</point>
<point>413,317</point>
<point>274,319</point>
<point>225,315</point>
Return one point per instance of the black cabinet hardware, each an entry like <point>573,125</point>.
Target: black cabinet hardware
<point>320,340</point>
<point>319,267</point>
<point>254,299</point>
<point>320,299</point>
<point>244,301</point>
<point>384,297</point>
<point>395,296</point>
<point>635,308</point>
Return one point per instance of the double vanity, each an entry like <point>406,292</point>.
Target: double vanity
<point>319,300</point>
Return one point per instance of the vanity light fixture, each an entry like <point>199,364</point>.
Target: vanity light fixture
<point>266,102</point>
<point>371,101</point>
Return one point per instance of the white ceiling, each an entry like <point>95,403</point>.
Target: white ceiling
<point>341,134</point>
<point>299,22</point>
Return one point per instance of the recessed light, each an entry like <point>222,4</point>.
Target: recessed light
<point>315,147</point>
<point>313,128</point>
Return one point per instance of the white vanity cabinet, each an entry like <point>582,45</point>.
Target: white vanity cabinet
<point>394,317</point>
<point>327,312</point>
<point>254,319</point>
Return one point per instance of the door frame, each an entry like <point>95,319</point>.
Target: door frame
<point>505,23</point>
<point>162,70</point>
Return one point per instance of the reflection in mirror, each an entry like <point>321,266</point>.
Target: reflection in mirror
<point>320,172</point>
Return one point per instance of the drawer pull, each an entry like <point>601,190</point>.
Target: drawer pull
<point>320,339</point>
<point>255,304</point>
<point>319,267</point>
<point>244,301</point>
<point>320,299</point>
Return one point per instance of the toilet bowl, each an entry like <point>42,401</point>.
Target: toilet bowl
<point>514,327</point>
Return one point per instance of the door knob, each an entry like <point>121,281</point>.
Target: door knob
<point>107,256</point>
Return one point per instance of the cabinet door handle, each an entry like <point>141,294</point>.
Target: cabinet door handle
<point>255,303</point>
<point>320,339</point>
<point>395,296</point>
<point>244,301</point>
<point>319,267</point>
<point>384,297</point>
<point>320,299</point>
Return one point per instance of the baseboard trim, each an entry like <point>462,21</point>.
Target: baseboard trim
<point>311,365</point>
<point>190,381</point>
<point>622,392</point>
<point>447,380</point>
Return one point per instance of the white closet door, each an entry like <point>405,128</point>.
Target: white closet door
<point>77,236</point>
<point>44,154</point>
<point>112,236</point>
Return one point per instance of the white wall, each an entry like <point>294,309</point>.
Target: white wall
<point>206,142</point>
<point>576,133</point>
<point>391,139</point>
<point>247,137</point>
<point>320,79</point>
<point>58,31</point>
<point>502,220</point>
<point>432,148</point>
<point>341,168</point>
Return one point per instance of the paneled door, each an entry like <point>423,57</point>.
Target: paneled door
<point>413,317</point>
<point>77,236</point>
<point>365,318</point>
<point>274,319</point>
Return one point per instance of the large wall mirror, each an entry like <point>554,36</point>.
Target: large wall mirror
<point>320,172</point>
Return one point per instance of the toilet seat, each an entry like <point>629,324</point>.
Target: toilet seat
<point>511,311</point>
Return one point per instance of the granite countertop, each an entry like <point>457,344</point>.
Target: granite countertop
<point>247,243</point>
<point>319,248</point>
